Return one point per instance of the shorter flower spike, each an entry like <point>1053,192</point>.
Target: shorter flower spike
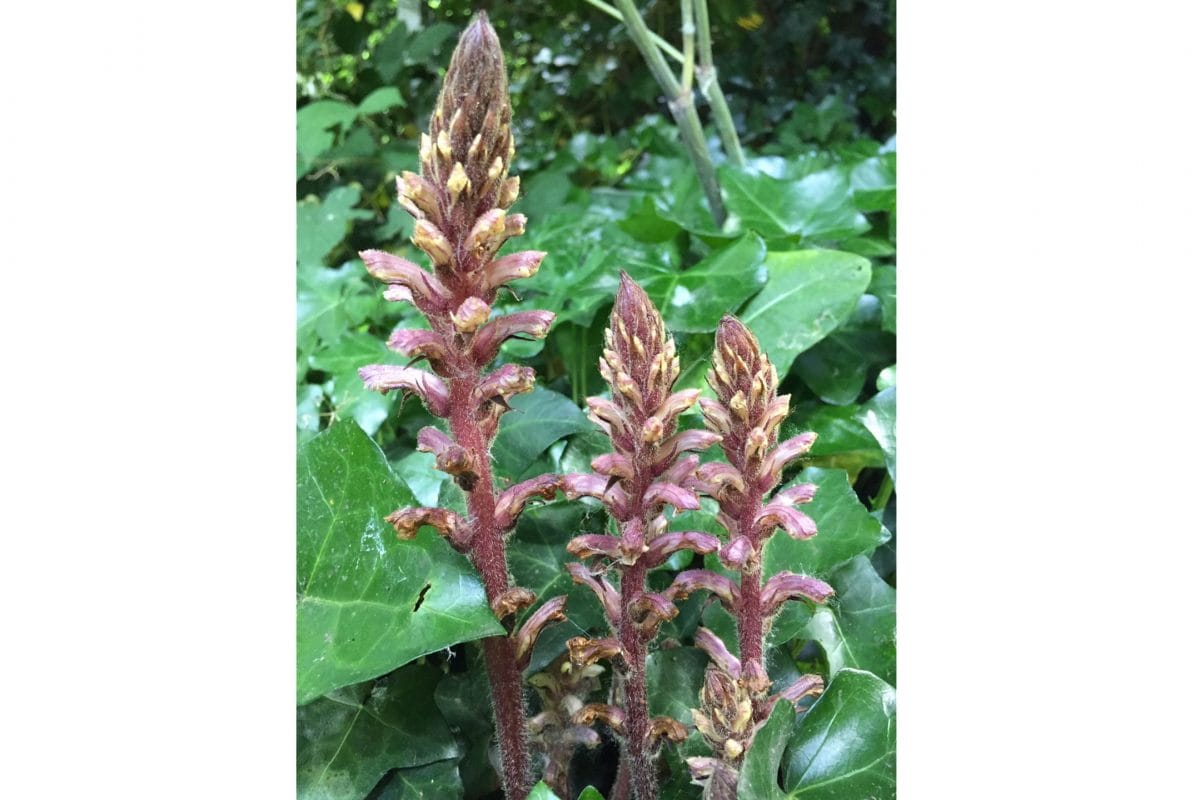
<point>407,521</point>
<point>551,611</point>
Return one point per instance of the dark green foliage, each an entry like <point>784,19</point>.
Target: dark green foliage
<point>806,260</point>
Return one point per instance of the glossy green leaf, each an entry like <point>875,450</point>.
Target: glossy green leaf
<point>845,746</point>
<point>858,628</point>
<point>465,700</point>
<point>879,417</point>
<point>817,205</point>
<point>367,603</point>
<point>883,286</point>
<point>585,253</point>
<point>808,294</point>
<point>673,680</point>
<point>694,300</point>
<point>437,781</point>
<point>590,793</point>
<point>381,99</point>
<point>347,740</point>
<point>322,224</point>
<point>760,766</point>
<point>538,420</point>
<point>843,442</point>
<point>542,792</point>
<point>845,529</point>
<point>314,127</point>
<point>329,302</point>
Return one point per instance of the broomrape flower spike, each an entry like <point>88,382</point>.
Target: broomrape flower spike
<point>649,469</point>
<point>460,201</point>
<point>746,414</point>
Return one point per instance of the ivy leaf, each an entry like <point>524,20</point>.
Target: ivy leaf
<point>879,417</point>
<point>845,528</point>
<point>817,205</point>
<point>542,792</point>
<point>465,700</point>
<point>693,300</point>
<point>322,224</point>
<point>808,294</point>
<point>538,420</point>
<point>760,767</point>
<point>843,442</point>
<point>314,128</point>
<point>845,746</point>
<point>348,739</point>
<point>382,99</point>
<point>673,680</point>
<point>883,286</point>
<point>366,602</point>
<point>439,780</point>
<point>590,793</point>
<point>858,629</point>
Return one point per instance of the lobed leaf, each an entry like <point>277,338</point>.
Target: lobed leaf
<point>367,603</point>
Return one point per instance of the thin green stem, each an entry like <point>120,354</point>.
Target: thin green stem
<point>707,80</point>
<point>660,42</point>
<point>687,28</point>
<point>682,109</point>
<point>884,494</point>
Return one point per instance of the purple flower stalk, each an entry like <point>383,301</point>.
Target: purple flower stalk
<point>747,414</point>
<point>647,471</point>
<point>460,203</point>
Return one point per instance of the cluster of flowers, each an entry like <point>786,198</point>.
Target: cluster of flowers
<point>460,202</point>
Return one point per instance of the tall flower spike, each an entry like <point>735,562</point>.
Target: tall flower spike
<point>649,469</point>
<point>747,414</point>
<point>460,203</point>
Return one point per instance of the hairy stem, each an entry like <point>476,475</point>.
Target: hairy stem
<point>487,555</point>
<point>751,629</point>
<point>637,712</point>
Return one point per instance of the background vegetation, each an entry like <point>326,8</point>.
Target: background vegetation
<point>392,698</point>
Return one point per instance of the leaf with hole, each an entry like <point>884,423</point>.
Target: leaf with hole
<point>367,603</point>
